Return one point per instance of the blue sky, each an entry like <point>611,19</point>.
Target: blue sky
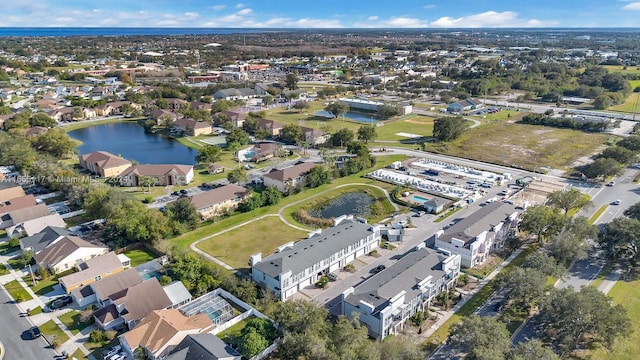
<point>320,13</point>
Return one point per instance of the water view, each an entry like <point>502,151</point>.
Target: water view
<point>356,203</point>
<point>130,141</point>
<point>352,115</point>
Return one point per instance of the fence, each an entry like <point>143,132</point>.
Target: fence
<point>267,351</point>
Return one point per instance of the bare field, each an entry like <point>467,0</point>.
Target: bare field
<point>525,146</point>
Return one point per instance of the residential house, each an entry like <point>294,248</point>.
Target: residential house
<point>35,131</point>
<point>263,88</point>
<point>66,253</point>
<point>42,239</point>
<point>200,105</point>
<point>215,169</point>
<point>128,306</point>
<point>270,126</point>
<point>192,127</point>
<point>217,201</point>
<point>176,104</point>
<point>98,292</point>
<point>163,330</point>
<point>159,115</point>
<point>165,174</point>
<point>10,190</point>
<point>104,163</point>
<point>203,347</point>
<point>62,114</point>
<point>392,231</point>
<point>4,118</point>
<point>34,226</point>
<point>289,177</point>
<point>20,215</point>
<point>177,293</point>
<point>436,204</point>
<point>94,269</point>
<point>234,94</point>
<point>314,136</point>
<point>464,105</point>
<point>475,236</point>
<point>236,118</point>
<point>88,113</point>
<point>385,301</point>
<point>20,202</point>
<point>262,152</point>
<point>297,265</point>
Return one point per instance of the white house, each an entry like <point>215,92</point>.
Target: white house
<point>386,300</point>
<point>478,234</point>
<point>297,265</point>
<point>66,253</point>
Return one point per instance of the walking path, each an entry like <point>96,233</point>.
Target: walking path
<point>194,245</point>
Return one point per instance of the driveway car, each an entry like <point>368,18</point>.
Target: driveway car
<point>61,302</point>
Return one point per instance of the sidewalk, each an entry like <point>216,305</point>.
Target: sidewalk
<point>607,284</point>
<point>74,342</point>
<point>445,317</point>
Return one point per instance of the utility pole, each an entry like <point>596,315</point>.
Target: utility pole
<point>33,279</point>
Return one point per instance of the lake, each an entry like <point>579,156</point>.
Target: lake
<point>130,141</point>
<point>352,115</point>
<point>355,203</point>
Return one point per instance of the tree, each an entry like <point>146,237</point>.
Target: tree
<point>239,136</point>
<point>301,105</point>
<point>601,167</point>
<point>348,338</point>
<point>55,142</point>
<point>303,327</point>
<point>317,176</point>
<point>221,105</point>
<point>16,151</point>
<point>449,128</point>
<point>633,211</point>
<point>209,154</point>
<point>620,154</point>
<point>42,119</point>
<point>291,81</point>
<point>528,286</point>
<point>252,344</point>
<point>183,211</point>
<point>397,347</point>
<point>542,221</point>
<point>250,125</point>
<point>532,350</point>
<point>271,196</point>
<point>602,102</point>
<point>387,111</point>
<point>147,181</point>
<point>632,143</point>
<point>337,109</point>
<point>237,175</point>
<point>342,137</point>
<point>571,319</point>
<point>367,133</point>
<point>568,200</point>
<point>543,262</point>
<point>358,148</point>
<point>291,134</point>
<point>621,238</point>
<point>567,247</point>
<point>27,256</point>
<point>482,338</point>
<point>267,100</point>
<point>77,112</point>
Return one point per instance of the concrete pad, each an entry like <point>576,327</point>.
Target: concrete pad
<point>409,135</point>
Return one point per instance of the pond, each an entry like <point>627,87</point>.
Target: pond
<point>352,115</point>
<point>356,203</point>
<point>130,141</point>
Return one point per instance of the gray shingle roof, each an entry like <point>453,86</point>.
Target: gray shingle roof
<point>314,249</point>
<point>482,220</point>
<point>203,347</point>
<point>41,240</point>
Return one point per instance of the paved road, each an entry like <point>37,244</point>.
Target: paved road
<point>11,333</point>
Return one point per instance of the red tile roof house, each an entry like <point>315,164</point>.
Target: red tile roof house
<point>290,177</point>
<point>193,127</point>
<point>217,201</point>
<point>104,163</point>
<point>165,174</point>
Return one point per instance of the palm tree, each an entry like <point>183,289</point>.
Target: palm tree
<point>234,147</point>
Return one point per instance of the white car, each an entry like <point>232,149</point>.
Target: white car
<point>617,202</point>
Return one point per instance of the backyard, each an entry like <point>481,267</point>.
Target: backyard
<point>229,336</point>
<point>140,256</point>
<point>528,146</point>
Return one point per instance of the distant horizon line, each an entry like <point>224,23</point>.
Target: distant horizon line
<point>327,28</point>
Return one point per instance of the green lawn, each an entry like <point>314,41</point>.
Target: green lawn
<point>82,125</point>
<point>16,263</point>
<point>521,145</point>
<point>629,106</point>
<point>633,70</point>
<point>17,292</point>
<point>471,305</point>
<point>3,270</point>
<point>184,240</point>
<point>139,256</point>
<point>236,246</point>
<point>72,321</point>
<point>78,219</point>
<point>500,116</point>
<point>35,311</point>
<point>229,335</point>
<point>54,332</point>
<point>43,286</point>
<point>5,248</point>
<point>419,125</point>
<point>626,293</point>
<point>598,213</point>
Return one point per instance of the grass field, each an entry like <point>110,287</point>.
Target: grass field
<point>626,293</point>
<point>500,116</point>
<point>86,124</point>
<point>72,321</point>
<point>629,105</point>
<point>17,292</point>
<point>139,256</point>
<point>622,69</point>
<point>184,240</point>
<point>53,332</point>
<point>236,246</point>
<point>520,145</point>
<point>419,125</point>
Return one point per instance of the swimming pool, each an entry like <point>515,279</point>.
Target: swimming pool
<point>419,199</point>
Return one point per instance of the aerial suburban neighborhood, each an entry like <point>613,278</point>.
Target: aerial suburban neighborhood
<point>447,190</point>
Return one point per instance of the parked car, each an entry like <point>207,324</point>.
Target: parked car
<point>183,192</point>
<point>113,351</point>
<point>332,276</point>
<point>176,193</point>
<point>35,332</point>
<point>378,268</point>
<point>61,302</point>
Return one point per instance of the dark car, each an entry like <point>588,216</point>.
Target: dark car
<point>35,332</point>
<point>176,193</point>
<point>61,302</point>
<point>378,268</point>
<point>184,192</point>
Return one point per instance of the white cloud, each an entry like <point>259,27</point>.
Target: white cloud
<point>372,18</point>
<point>301,23</point>
<point>490,19</point>
<point>245,11</point>
<point>239,5</point>
<point>430,6</point>
<point>632,6</point>
<point>394,22</point>
<point>218,7</point>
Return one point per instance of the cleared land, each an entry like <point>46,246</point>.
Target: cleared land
<point>626,293</point>
<point>236,246</point>
<point>525,146</point>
